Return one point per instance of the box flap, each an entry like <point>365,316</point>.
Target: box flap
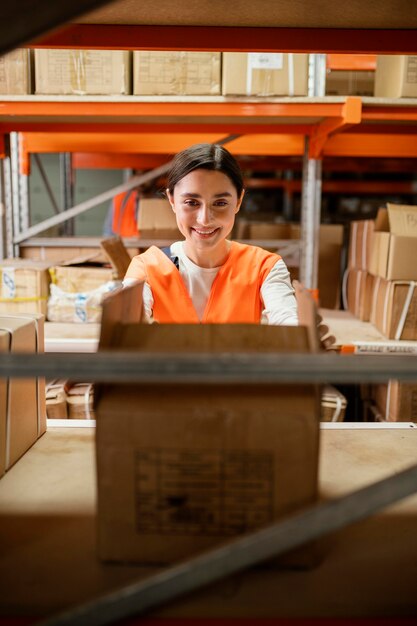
<point>116,252</point>
<point>381,220</point>
<point>402,220</point>
<point>84,259</point>
<point>155,213</point>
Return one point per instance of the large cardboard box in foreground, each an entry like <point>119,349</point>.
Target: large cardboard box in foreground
<point>15,73</point>
<point>396,76</point>
<point>264,74</point>
<point>184,468</point>
<point>22,401</point>
<point>24,286</point>
<point>80,72</point>
<point>176,73</point>
<point>394,243</point>
<point>156,220</point>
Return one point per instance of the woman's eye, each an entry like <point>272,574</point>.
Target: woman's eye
<point>191,203</point>
<point>220,203</point>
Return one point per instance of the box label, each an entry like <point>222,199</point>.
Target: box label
<point>203,492</point>
<point>8,282</point>
<point>265,61</point>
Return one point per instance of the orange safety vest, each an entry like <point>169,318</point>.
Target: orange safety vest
<point>235,292</point>
<point>124,214</point>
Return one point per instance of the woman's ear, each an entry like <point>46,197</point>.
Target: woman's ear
<point>239,202</point>
<point>170,198</point>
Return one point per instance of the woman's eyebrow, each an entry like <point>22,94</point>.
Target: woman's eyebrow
<point>197,195</point>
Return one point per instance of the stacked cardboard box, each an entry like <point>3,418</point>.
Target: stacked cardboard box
<point>394,402</point>
<point>396,76</point>
<point>394,264</point>
<point>24,286</point>
<point>79,72</point>
<point>156,220</point>
<point>176,73</point>
<point>77,290</point>
<point>15,73</point>
<point>350,83</point>
<point>357,281</point>
<point>66,400</point>
<point>264,74</point>
<point>333,405</point>
<point>22,401</point>
<point>201,464</point>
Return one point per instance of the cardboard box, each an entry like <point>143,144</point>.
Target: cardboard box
<point>81,274</point>
<point>264,74</point>
<point>394,308</point>
<point>56,400</point>
<point>80,401</point>
<point>333,405</point>
<point>394,243</point>
<point>24,286</point>
<point>396,401</point>
<point>358,293</point>
<point>329,270</point>
<point>350,83</point>
<point>201,464</point>
<point>360,243</point>
<point>176,73</point>
<point>80,72</point>
<point>22,401</point>
<point>396,76</point>
<point>15,73</point>
<point>156,220</point>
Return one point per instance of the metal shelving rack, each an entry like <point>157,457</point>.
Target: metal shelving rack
<point>395,124</point>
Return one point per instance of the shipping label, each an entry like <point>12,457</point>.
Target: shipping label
<point>203,492</point>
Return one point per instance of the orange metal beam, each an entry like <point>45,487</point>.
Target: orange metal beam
<point>360,145</point>
<point>2,147</point>
<point>231,38</point>
<point>361,62</point>
<point>351,114</point>
<point>143,111</point>
<point>88,160</point>
<point>383,113</point>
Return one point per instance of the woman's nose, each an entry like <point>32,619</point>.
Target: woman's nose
<point>204,215</point>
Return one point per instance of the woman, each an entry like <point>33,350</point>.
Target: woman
<point>206,278</point>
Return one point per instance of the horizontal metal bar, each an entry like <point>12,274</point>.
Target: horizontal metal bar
<point>211,369</point>
<point>232,38</point>
<point>92,202</point>
<point>137,598</point>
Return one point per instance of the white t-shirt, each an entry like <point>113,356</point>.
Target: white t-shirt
<point>279,303</point>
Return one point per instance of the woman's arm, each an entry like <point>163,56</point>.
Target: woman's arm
<point>278,296</point>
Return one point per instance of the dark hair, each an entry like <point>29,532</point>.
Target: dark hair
<point>205,156</point>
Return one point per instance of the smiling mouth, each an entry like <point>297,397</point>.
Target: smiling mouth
<point>205,233</point>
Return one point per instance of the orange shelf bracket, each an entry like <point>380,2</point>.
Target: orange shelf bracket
<point>351,115</point>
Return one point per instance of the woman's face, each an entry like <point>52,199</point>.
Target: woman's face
<point>205,203</point>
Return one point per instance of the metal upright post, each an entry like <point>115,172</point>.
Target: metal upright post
<point>15,195</point>
<point>67,188</point>
<point>2,217</point>
<point>10,249</point>
<point>311,193</point>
